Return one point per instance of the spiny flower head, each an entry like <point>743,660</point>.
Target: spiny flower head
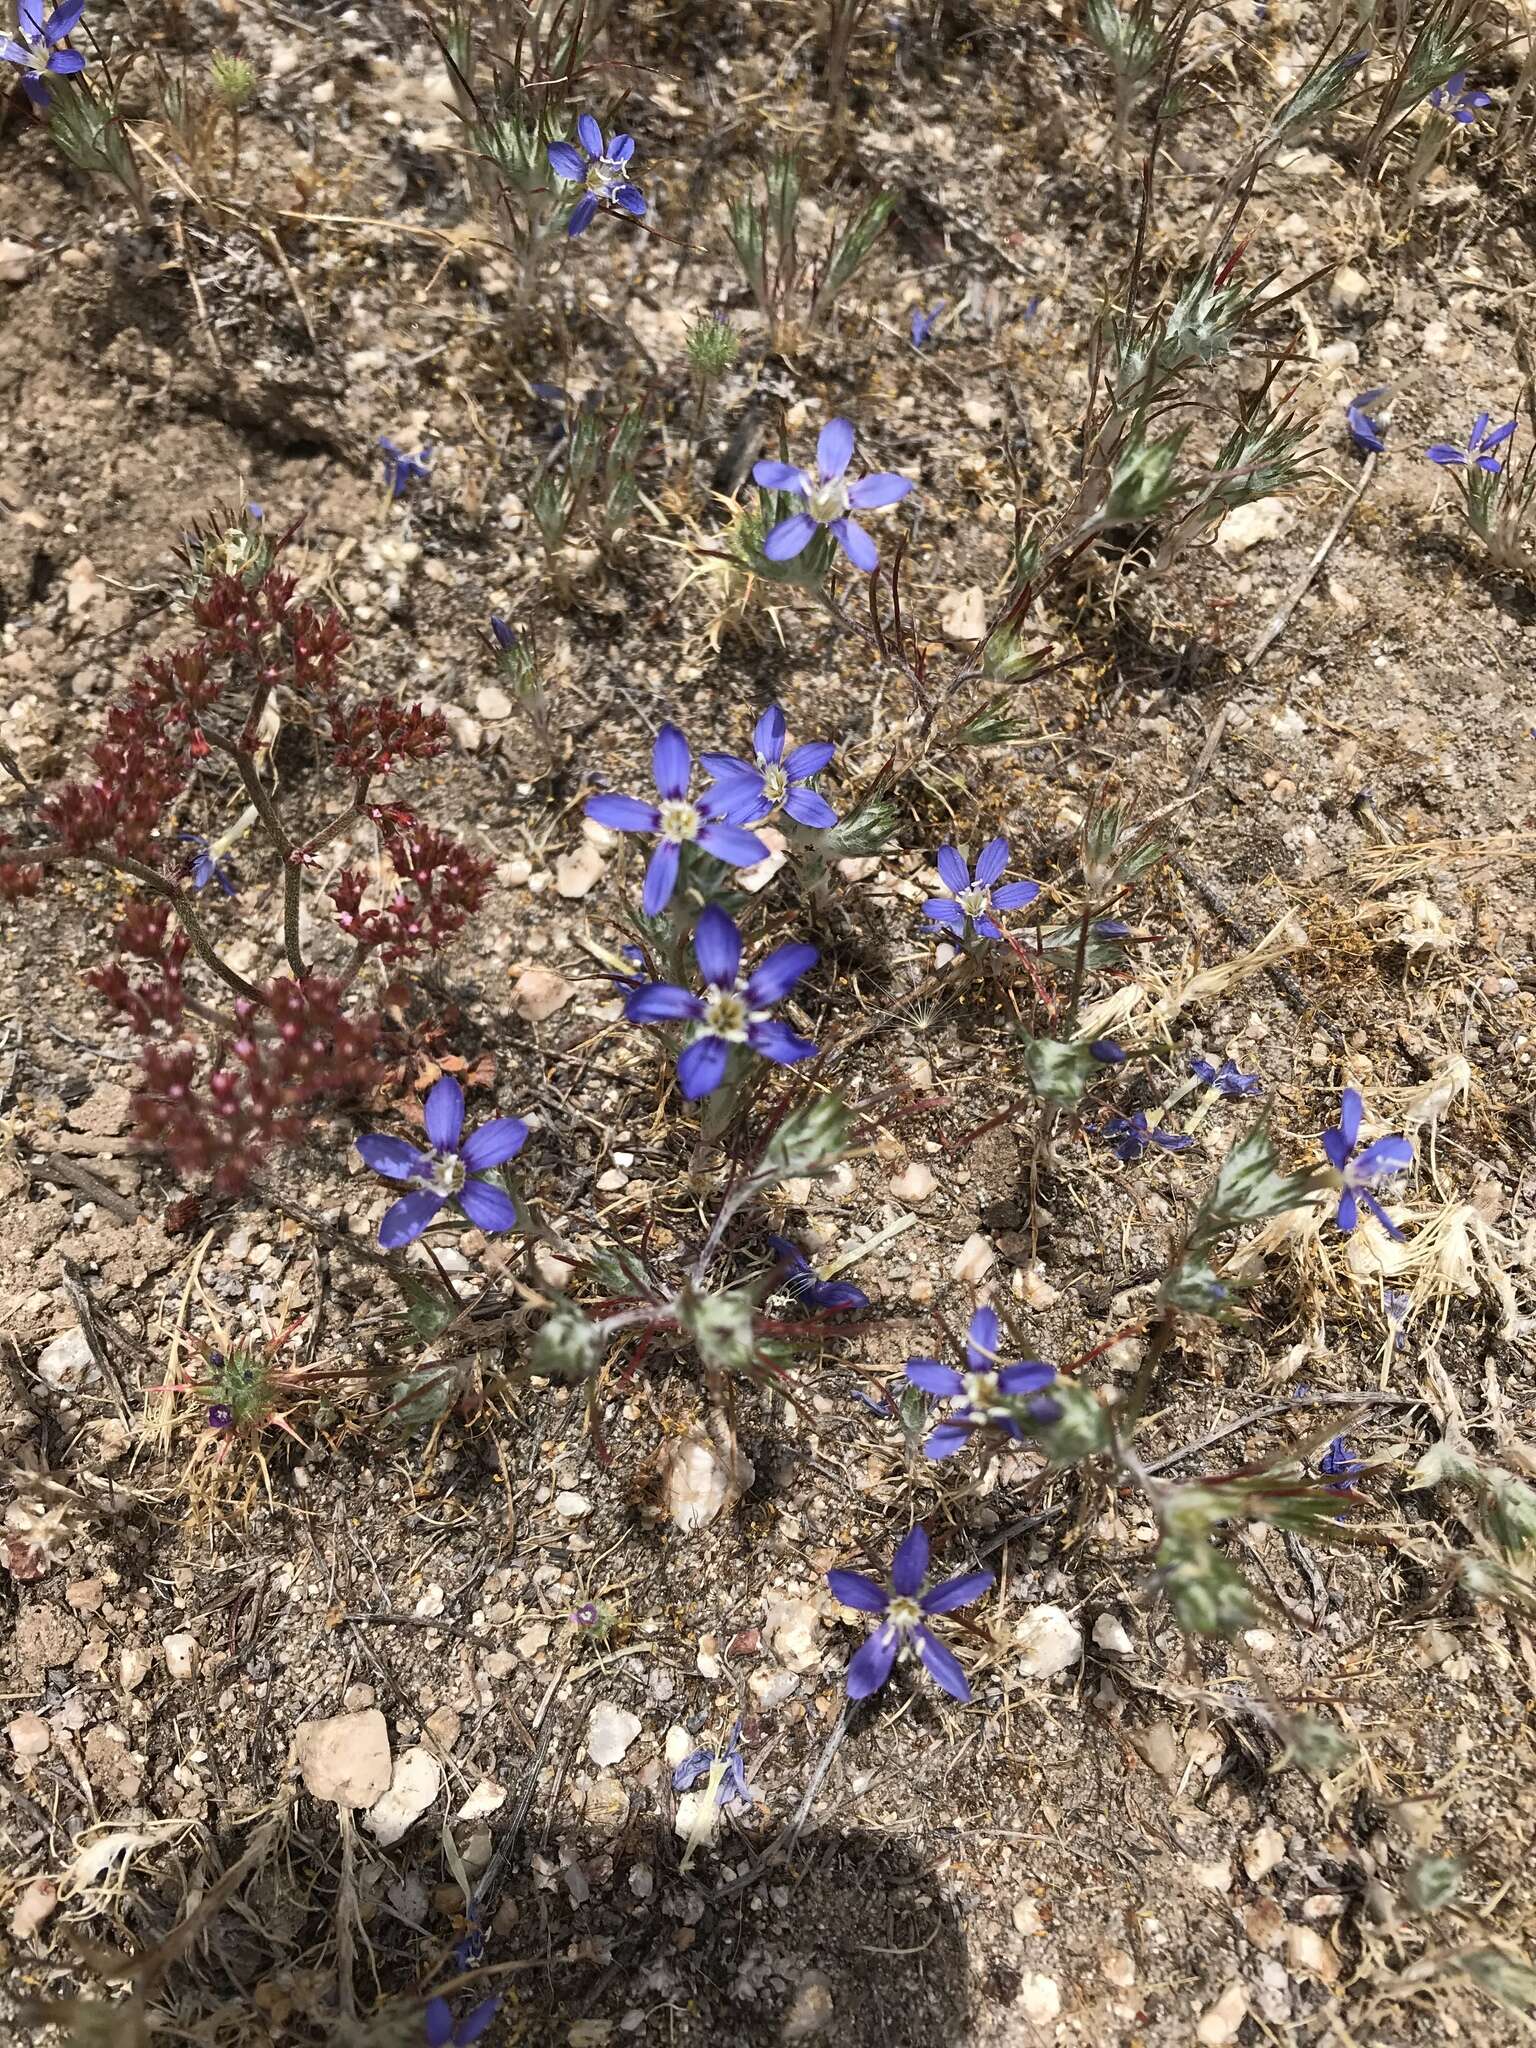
<point>603,168</point>
<point>985,1391</point>
<point>453,1170</point>
<point>677,821</point>
<point>829,498</point>
<point>747,792</point>
<point>968,906</point>
<point>731,1012</point>
<point>905,1611</point>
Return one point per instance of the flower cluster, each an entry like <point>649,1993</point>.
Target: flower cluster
<point>454,1170</point>
<point>375,735</point>
<point>299,1045</point>
<point>440,885</point>
<point>146,1000</point>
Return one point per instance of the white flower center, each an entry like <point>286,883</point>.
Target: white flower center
<point>604,176</point>
<point>680,820</point>
<point>775,781</point>
<point>981,1392</point>
<point>38,54</point>
<point>975,901</point>
<point>445,1176</point>
<point>726,1016</point>
<point>904,1611</point>
<point>828,501</point>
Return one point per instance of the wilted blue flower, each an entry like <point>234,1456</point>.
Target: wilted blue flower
<point>800,1278</point>
<point>451,1172</point>
<point>1396,1303</point>
<point>1453,98</point>
<point>602,168</point>
<point>1226,1078</point>
<point>503,634</point>
<point>923,323</point>
<point>969,904</point>
<point>905,1610</point>
<point>1108,1052</point>
<point>731,1011</point>
<point>1479,449</point>
<point>674,823</point>
<point>829,498</point>
<point>35,45</point>
<point>1366,434</point>
<point>746,792</point>
<point>733,1788</point>
<point>1131,1135</point>
<point>205,866</point>
<point>982,1389</point>
<point>1339,1464</point>
<point>441,2030</point>
<point>403,470</point>
<point>1360,1171</point>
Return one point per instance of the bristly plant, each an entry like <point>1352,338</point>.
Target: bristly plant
<point>765,236</point>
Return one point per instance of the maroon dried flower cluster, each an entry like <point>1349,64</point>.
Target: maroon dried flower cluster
<point>370,737</point>
<point>254,636</point>
<point>146,999</point>
<point>298,1045</point>
<point>18,878</point>
<point>441,885</point>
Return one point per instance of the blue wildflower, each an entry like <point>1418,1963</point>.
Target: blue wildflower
<point>733,1788</point>
<point>453,1171</point>
<point>905,1610</point>
<point>747,792</point>
<point>1339,1464</point>
<point>731,1012</point>
<point>674,823</point>
<point>602,168</point>
<point>1361,1170</point>
<point>1365,432</point>
<point>1108,1052</point>
<point>36,45</point>
<point>799,1277</point>
<point>402,470</point>
<point>1226,1078</point>
<point>829,498</point>
<point>1396,1303</point>
<point>982,1389</point>
<point>1131,1135</point>
<point>441,2030</point>
<point>1479,449</point>
<point>205,865</point>
<point>1453,99</point>
<point>923,324</point>
<point>968,906</point>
